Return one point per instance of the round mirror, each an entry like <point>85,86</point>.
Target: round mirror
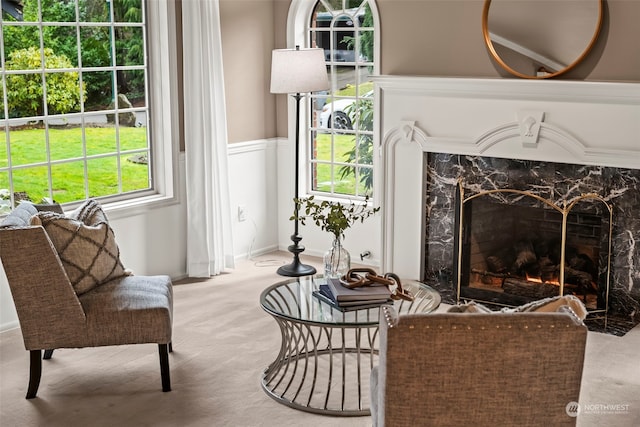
<point>537,39</point>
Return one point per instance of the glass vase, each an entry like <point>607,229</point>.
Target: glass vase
<point>337,260</point>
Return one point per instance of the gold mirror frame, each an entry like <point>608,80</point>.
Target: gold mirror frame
<point>503,64</point>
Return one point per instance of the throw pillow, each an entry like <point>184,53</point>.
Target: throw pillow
<point>470,307</point>
<point>21,215</point>
<point>85,244</point>
<point>552,304</point>
<point>565,303</point>
<point>90,213</point>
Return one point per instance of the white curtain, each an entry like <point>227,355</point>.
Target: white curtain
<point>209,239</point>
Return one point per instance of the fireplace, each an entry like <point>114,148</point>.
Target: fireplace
<point>513,247</point>
<point>557,140</point>
<point>494,221</point>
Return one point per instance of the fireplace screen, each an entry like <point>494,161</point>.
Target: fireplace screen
<point>514,247</point>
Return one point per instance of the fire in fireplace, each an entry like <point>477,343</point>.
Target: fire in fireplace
<point>514,247</point>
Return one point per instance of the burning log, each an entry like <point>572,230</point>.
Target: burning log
<point>488,277</point>
<point>530,269</point>
<point>489,273</point>
<point>580,281</point>
<point>526,288</point>
<point>496,264</point>
<point>525,256</point>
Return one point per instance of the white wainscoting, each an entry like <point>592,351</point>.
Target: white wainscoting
<point>252,184</point>
<point>261,180</point>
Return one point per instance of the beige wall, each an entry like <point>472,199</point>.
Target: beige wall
<point>444,38</point>
<point>281,11</point>
<point>617,53</point>
<point>433,38</point>
<point>418,37</point>
<point>248,36</point>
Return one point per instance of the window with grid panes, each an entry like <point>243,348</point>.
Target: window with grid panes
<point>75,112</point>
<point>341,131</point>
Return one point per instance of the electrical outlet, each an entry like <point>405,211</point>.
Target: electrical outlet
<point>242,213</point>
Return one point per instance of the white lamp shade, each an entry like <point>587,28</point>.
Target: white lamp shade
<point>298,71</point>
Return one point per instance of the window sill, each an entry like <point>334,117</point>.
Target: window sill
<point>138,206</point>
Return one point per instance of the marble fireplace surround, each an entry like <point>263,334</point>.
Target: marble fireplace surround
<point>578,123</point>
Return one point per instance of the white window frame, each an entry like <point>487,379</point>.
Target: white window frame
<point>162,115</point>
<point>163,112</point>
<point>298,20</point>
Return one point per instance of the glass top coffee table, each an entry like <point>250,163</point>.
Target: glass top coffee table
<point>326,354</point>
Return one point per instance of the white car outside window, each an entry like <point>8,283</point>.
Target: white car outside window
<point>335,114</point>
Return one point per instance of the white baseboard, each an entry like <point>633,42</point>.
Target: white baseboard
<point>9,326</point>
<point>255,252</point>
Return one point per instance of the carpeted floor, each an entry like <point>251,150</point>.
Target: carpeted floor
<point>222,342</point>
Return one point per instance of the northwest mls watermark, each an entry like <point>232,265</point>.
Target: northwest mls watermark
<point>575,408</point>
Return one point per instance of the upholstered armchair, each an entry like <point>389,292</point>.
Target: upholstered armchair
<point>480,369</point>
<point>71,291</point>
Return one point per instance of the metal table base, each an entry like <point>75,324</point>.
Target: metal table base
<point>322,369</point>
<point>327,353</point>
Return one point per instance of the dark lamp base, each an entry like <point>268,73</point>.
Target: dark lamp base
<point>296,269</point>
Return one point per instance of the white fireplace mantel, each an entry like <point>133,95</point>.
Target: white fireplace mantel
<point>589,123</point>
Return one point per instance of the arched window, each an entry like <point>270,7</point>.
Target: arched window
<point>340,132</point>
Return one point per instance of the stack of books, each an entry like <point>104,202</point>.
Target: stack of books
<point>344,299</point>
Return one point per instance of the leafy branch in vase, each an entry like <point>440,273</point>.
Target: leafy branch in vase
<point>334,217</point>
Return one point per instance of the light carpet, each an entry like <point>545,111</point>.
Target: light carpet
<point>222,342</point>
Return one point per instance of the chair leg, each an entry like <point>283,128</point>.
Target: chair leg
<point>170,347</point>
<point>35,372</point>
<point>163,350</point>
<point>47,354</point>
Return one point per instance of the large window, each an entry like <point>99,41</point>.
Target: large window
<point>76,102</point>
<point>341,131</point>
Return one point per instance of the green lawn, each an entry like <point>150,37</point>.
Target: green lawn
<point>29,147</point>
<point>350,90</point>
<point>342,144</point>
